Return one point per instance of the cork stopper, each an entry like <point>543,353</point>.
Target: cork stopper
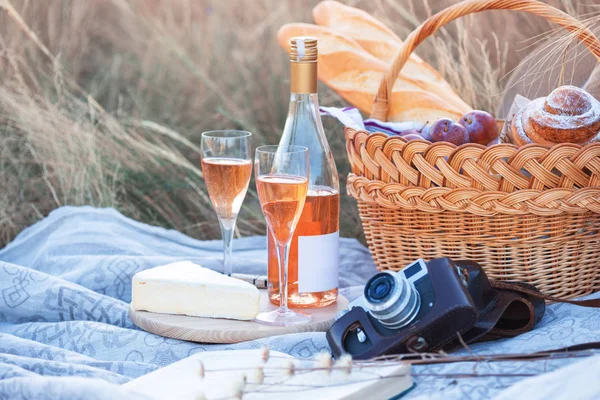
<point>303,49</point>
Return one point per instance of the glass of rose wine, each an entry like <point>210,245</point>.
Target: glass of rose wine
<point>227,168</point>
<point>282,174</point>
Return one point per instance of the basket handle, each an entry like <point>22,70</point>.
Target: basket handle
<point>433,23</point>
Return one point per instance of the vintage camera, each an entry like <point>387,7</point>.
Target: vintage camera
<point>426,306</point>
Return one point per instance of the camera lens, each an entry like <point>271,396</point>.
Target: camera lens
<point>381,287</point>
<point>392,299</point>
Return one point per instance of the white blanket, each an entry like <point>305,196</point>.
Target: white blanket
<point>65,285</point>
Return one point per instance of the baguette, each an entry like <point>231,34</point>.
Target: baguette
<point>381,42</point>
<point>366,30</point>
<point>355,75</point>
<point>336,51</point>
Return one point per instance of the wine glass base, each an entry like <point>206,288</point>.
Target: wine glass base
<point>283,318</point>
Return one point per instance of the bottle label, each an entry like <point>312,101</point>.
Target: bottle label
<point>318,262</point>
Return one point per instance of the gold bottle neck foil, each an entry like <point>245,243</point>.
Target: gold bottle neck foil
<point>303,77</point>
<point>303,66</point>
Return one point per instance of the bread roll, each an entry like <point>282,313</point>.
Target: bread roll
<point>568,115</point>
<point>355,75</point>
<point>381,42</point>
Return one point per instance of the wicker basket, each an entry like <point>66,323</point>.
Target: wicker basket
<point>529,214</point>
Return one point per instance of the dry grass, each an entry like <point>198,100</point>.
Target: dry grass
<point>101,101</point>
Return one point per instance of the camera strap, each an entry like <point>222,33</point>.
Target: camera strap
<point>506,309</point>
<point>535,302</point>
<point>594,303</point>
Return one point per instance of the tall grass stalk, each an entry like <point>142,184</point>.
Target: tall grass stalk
<point>102,101</point>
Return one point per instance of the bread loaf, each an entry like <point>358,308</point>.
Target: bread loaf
<point>381,42</point>
<point>337,52</point>
<point>369,32</point>
<point>355,75</point>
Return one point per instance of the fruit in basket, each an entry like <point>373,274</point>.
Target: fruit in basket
<point>411,133</point>
<point>494,142</point>
<point>426,132</point>
<point>411,136</point>
<point>481,126</point>
<point>446,130</point>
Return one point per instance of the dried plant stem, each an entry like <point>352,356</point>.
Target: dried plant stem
<point>425,359</point>
<point>87,117</point>
<point>12,12</point>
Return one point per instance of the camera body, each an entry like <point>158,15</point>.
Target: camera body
<point>430,306</point>
<point>389,321</point>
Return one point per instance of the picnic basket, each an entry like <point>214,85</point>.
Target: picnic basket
<point>526,213</point>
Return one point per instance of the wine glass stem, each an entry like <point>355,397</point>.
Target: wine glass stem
<point>227,229</point>
<point>283,250</point>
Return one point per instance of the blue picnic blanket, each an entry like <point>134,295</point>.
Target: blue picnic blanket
<point>65,285</point>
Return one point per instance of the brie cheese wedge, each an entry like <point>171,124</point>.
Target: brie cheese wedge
<point>189,289</point>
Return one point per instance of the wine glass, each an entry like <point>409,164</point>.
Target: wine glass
<point>282,182</point>
<point>227,168</point>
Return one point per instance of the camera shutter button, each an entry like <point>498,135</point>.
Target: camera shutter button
<point>417,343</point>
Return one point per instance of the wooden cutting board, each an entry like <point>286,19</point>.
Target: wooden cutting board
<point>214,330</point>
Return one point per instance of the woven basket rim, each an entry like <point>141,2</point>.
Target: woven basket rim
<point>501,179</point>
<point>467,200</point>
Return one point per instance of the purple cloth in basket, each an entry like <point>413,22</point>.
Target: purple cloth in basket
<point>351,117</point>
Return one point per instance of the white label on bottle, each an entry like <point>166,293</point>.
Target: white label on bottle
<point>318,262</point>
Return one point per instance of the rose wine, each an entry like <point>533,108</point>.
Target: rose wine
<point>314,251</point>
<point>227,181</point>
<point>319,217</point>
<point>282,199</point>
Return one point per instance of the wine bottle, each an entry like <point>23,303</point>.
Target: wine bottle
<point>314,251</point>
